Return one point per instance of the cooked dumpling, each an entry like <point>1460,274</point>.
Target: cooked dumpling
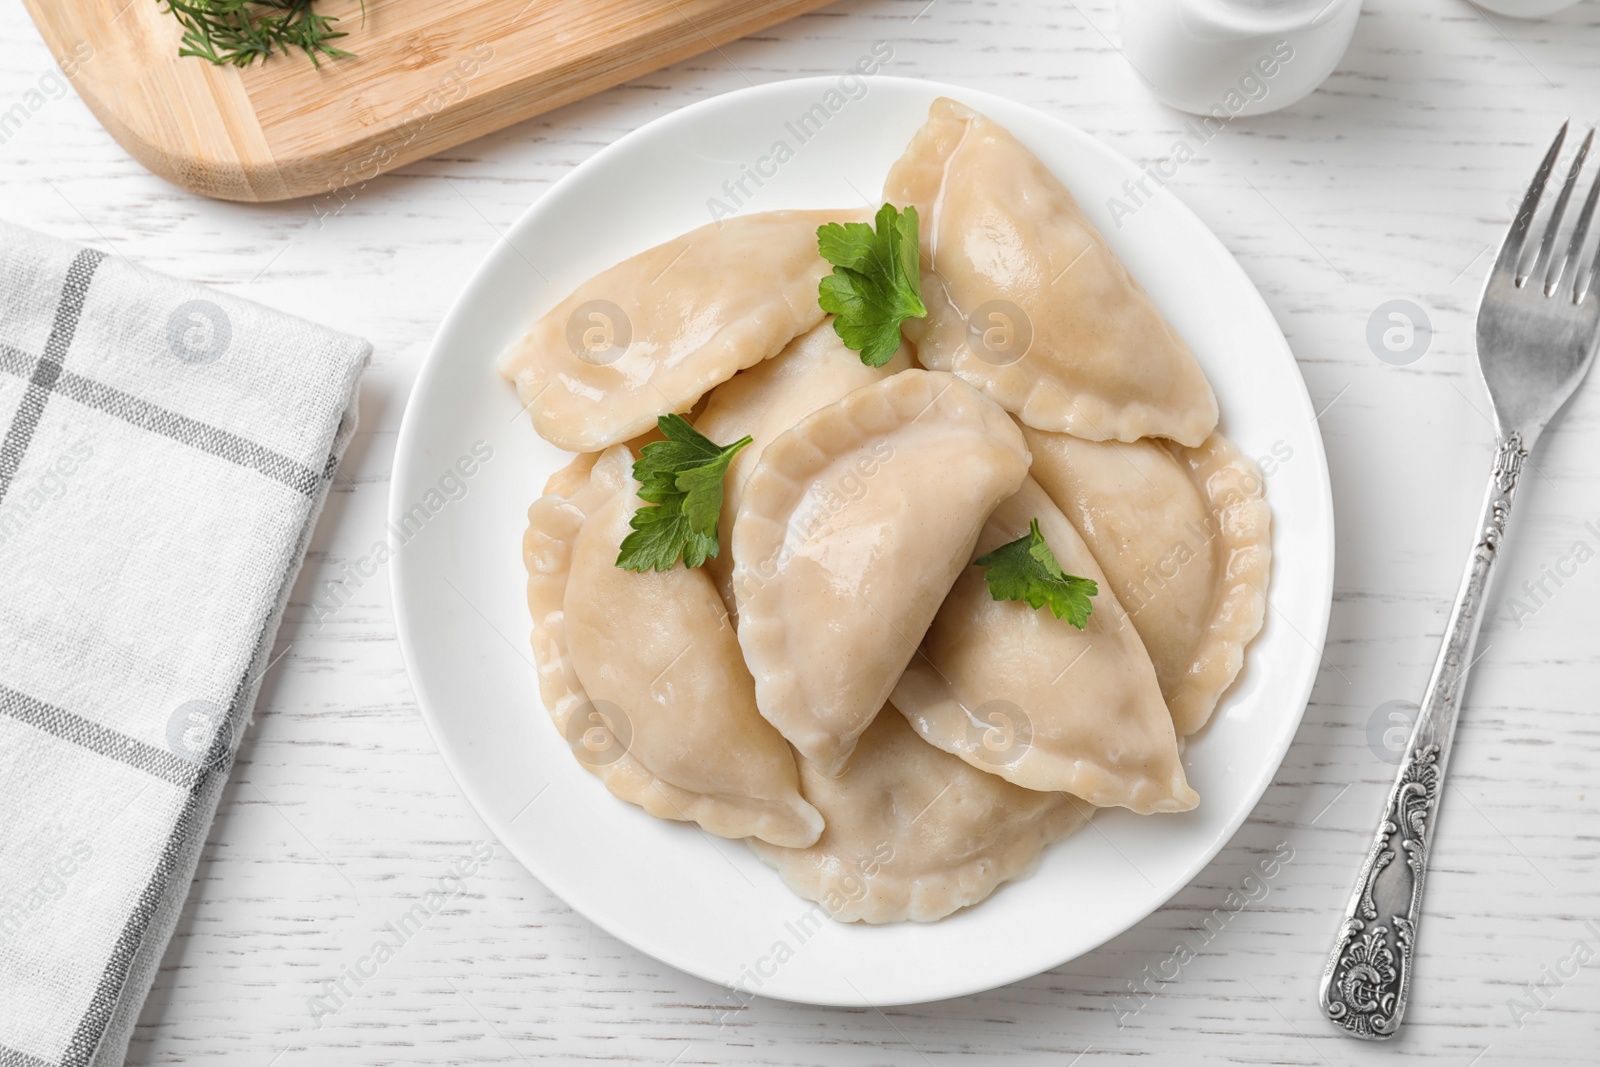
<point>914,833</point>
<point>1028,302</point>
<point>650,335</point>
<point>812,372</point>
<point>1031,698</point>
<point>1186,539</point>
<point>642,674</point>
<point>852,527</point>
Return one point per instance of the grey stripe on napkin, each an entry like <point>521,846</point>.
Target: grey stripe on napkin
<point>48,368</point>
<point>164,453</point>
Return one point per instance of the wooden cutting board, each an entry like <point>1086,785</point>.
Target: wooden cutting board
<point>428,74</point>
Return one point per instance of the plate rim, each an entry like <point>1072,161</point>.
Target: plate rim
<point>435,365</point>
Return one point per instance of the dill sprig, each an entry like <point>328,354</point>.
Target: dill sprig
<point>238,32</point>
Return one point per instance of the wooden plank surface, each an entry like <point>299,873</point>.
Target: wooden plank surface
<point>1390,183</point>
<point>427,75</point>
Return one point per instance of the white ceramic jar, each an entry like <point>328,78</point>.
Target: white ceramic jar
<point>1525,9</point>
<point>1235,57</point>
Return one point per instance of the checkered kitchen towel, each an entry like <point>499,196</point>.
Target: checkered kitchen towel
<point>165,452</point>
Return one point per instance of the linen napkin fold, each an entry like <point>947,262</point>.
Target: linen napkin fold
<point>164,453</point>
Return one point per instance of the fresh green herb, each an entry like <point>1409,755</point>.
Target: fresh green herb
<point>239,32</point>
<point>682,478</point>
<point>1026,569</point>
<point>875,284</point>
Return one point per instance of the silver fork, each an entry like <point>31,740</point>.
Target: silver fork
<point>1536,340</point>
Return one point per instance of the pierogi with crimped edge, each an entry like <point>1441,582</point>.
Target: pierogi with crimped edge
<point>1030,697</point>
<point>650,335</point>
<point>812,372</point>
<point>914,833</point>
<point>1028,302</point>
<point>799,645</point>
<point>1185,536</point>
<point>642,674</point>
<point>835,592</point>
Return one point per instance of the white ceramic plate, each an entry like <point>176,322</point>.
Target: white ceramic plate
<point>707,905</point>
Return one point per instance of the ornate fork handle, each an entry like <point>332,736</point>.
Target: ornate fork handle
<point>1365,984</point>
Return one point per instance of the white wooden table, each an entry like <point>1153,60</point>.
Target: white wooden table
<point>1390,183</point>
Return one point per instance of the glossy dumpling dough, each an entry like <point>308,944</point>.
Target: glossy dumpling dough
<point>650,335</point>
<point>1028,696</point>
<point>852,527</point>
<point>812,372</point>
<point>1028,302</point>
<point>642,674</point>
<point>1186,538</point>
<point>914,833</point>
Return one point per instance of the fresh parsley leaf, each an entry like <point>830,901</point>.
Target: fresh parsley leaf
<point>681,478</point>
<point>702,492</point>
<point>875,285</point>
<point>661,535</point>
<point>1026,569</point>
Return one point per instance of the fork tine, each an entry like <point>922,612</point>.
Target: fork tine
<point>1579,235</point>
<point>1593,283</point>
<point>1553,227</point>
<point>1511,249</point>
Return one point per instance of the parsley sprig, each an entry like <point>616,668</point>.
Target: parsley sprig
<point>682,478</point>
<point>1026,569</point>
<point>875,284</point>
<point>239,32</point>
